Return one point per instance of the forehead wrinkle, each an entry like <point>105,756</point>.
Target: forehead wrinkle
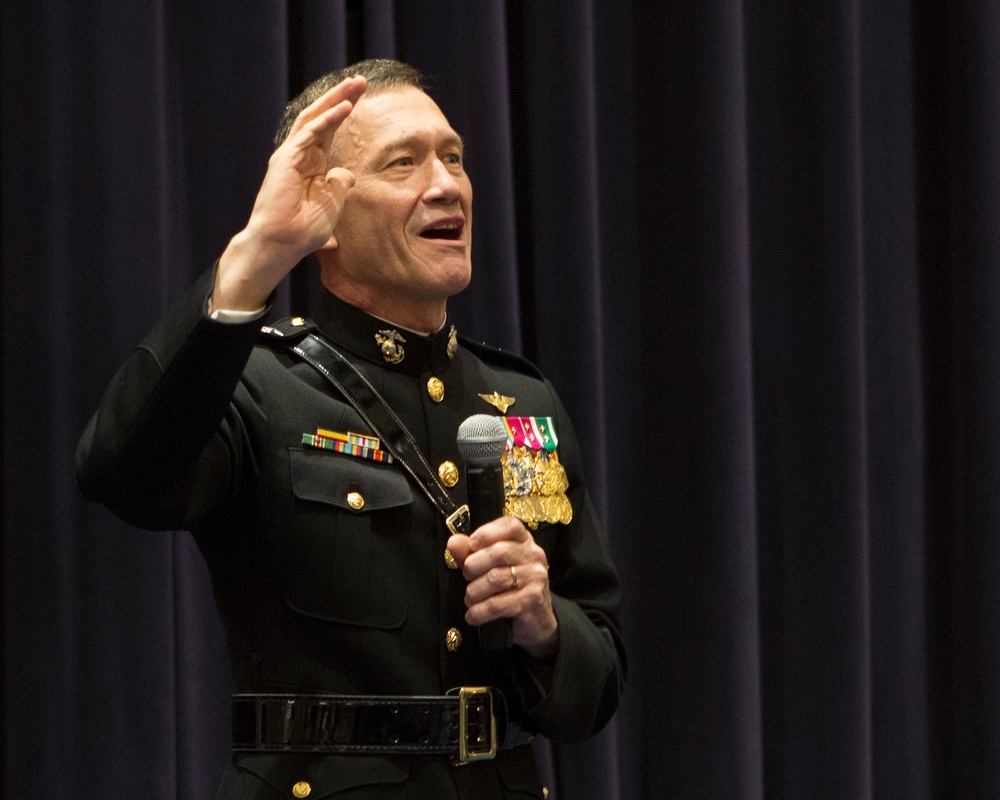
<point>356,144</point>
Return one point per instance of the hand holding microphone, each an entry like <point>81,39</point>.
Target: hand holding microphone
<point>508,592</point>
<point>482,441</point>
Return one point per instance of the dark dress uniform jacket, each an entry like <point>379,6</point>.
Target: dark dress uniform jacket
<point>202,429</point>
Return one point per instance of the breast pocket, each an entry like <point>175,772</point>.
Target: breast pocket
<point>347,548</point>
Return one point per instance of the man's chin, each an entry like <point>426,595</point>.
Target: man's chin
<point>460,282</point>
<point>452,275</point>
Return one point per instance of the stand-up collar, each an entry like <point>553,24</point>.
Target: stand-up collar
<point>381,342</point>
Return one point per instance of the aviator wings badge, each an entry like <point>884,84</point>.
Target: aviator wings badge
<point>500,402</point>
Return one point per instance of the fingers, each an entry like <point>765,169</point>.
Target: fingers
<point>509,529</point>
<point>501,542</point>
<point>458,546</point>
<point>338,181</point>
<point>321,129</point>
<point>520,593</point>
<point>502,530</point>
<point>508,578</point>
<point>342,176</point>
<point>330,108</point>
<point>500,557</point>
<point>322,118</point>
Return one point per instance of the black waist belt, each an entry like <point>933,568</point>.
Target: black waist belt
<point>469,724</point>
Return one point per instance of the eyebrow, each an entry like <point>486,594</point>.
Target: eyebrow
<point>404,141</point>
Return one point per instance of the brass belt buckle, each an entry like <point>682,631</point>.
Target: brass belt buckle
<point>477,725</point>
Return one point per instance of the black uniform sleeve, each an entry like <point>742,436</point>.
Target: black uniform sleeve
<point>163,447</point>
<point>578,692</point>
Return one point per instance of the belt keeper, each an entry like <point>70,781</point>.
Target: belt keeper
<point>458,520</point>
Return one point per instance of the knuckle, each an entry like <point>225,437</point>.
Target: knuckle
<point>472,566</point>
<point>495,605</point>
<point>535,592</point>
<point>497,578</point>
<point>500,552</point>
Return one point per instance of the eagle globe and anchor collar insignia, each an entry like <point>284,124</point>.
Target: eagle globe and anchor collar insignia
<point>390,343</point>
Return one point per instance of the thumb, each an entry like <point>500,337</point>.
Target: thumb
<point>342,176</point>
<point>458,546</point>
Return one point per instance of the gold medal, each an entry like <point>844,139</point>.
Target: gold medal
<point>535,486</point>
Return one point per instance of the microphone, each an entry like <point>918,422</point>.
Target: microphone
<point>482,441</point>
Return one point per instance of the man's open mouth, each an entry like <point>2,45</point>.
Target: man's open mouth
<point>449,231</point>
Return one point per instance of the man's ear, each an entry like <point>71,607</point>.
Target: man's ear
<point>331,243</point>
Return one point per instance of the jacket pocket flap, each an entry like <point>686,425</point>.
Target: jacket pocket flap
<point>344,481</point>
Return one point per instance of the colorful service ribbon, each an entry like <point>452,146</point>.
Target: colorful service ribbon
<point>351,444</point>
<point>535,433</point>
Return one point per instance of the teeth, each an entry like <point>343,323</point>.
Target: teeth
<point>444,230</point>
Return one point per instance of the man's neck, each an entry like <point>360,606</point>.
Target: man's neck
<point>422,318</point>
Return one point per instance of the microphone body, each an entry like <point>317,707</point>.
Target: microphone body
<point>482,441</point>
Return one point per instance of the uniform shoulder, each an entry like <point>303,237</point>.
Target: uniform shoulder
<point>496,357</point>
<point>284,331</point>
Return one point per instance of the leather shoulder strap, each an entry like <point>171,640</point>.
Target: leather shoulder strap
<point>384,422</point>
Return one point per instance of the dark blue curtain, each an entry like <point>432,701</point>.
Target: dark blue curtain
<point>755,245</point>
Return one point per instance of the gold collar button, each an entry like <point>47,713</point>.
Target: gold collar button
<point>435,388</point>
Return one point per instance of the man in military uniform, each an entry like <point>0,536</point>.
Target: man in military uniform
<point>351,592</point>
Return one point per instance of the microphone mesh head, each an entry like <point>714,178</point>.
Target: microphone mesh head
<point>482,439</point>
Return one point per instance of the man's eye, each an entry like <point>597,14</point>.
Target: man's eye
<point>452,158</point>
<point>404,161</point>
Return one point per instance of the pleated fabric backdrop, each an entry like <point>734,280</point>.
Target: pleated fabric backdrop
<point>755,245</point>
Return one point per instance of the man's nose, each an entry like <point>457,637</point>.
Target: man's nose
<point>443,184</point>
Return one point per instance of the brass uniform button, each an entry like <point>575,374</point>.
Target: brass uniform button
<point>298,322</point>
<point>449,560</point>
<point>302,789</point>
<point>545,791</point>
<point>355,500</point>
<point>453,639</point>
<point>448,473</point>
<point>435,388</point>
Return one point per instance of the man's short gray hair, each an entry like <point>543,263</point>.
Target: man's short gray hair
<point>381,73</point>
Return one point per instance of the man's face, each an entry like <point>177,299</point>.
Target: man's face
<point>404,239</point>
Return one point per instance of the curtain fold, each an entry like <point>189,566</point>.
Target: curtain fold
<point>755,246</point>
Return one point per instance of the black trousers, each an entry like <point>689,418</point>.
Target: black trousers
<point>251,776</point>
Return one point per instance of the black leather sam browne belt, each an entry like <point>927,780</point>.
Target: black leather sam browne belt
<point>468,724</point>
